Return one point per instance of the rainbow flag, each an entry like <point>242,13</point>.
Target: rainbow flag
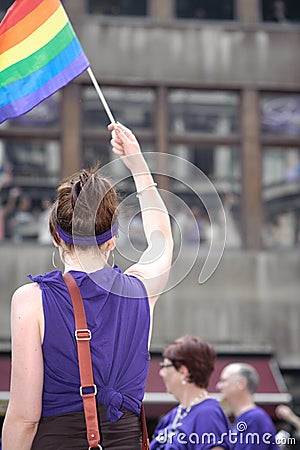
<point>39,54</point>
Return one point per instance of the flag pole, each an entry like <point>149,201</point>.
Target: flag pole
<point>101,96</point>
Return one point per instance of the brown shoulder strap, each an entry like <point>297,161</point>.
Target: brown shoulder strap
<point>88,389</point>
<point>145,439</point>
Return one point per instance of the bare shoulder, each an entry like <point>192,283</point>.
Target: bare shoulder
<point>27,296</point>
<point>27,290</point>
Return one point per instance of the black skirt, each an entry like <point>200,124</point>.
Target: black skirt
<point>68,432</point>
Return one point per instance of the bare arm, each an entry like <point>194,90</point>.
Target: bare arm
<point>24,409</point>
<point>284,412</point>
<point>154,265</point>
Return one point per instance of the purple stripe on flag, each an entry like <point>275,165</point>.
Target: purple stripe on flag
<point>25,104</point>
<point>38,78</point>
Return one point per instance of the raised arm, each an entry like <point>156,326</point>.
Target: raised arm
<point>154,265</point>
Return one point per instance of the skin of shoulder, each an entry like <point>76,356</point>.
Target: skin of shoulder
<point>25,402</point>
<point>27,305</point>
<point>27,359</point>
<point>27,292</point>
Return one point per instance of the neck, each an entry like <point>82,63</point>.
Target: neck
<point>192,396</point>
<point>242,405</point>
<point>84,261</point>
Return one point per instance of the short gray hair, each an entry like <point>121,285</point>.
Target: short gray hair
<point>251,375</point>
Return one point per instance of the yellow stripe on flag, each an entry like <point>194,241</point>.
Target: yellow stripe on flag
<point>44,34</point>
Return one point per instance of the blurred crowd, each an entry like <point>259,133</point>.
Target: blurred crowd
<point>22,219</point>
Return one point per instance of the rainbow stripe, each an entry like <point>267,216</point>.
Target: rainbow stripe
<point>39,54</point>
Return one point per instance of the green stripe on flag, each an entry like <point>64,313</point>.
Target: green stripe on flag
<point>38,59</point>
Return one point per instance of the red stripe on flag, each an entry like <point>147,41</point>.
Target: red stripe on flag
<point>28,25</point>
<point>17,12</point>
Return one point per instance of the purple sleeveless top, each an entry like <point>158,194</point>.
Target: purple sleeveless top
<point>118,315</point>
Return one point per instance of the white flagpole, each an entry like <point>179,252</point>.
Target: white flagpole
<point>101,96</point>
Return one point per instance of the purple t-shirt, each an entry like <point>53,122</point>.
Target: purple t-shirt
<point>254,430</point>
<point>204,427</point>
<point>118,316</point>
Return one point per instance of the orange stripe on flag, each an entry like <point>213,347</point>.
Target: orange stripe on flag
<point>17,12</point>
<point>28,25</point>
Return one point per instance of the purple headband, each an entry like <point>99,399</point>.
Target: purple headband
<point>87,241</point>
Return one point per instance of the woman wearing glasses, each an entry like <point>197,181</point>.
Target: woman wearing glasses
<point>198,422</point>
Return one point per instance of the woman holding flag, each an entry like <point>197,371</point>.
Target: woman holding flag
<point>45,409</point>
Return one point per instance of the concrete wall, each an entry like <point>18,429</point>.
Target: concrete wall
<point>16,262</point>
<point>252,299</point>
<point>191,52</point>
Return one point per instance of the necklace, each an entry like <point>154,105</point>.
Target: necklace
<point>181,412</point>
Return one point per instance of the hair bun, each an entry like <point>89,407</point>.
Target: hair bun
<point>83,177</point>
<point>78,185</point>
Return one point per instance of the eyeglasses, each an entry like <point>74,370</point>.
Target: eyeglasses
<point>165,365</point>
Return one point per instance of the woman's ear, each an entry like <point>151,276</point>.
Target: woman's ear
<point>55,243</point>
<point>184,371</point>
<point>108,246</point>
<point>111,244</point>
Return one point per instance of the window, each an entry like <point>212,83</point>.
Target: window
<point>133,107</point>
<point>221,165</point>
<point>30,163</point>
<point>281,114</point>
<point>45,114</point>
<point>281,166</point>
<point>205,9</point>
<point>96,153</point>
<point>100,153</point>
<point>281,189</point>
<point>29,174</point>
<point>280,11</point>
<point>208,112</point>
<point>193,113</point>
<point>118,7</point>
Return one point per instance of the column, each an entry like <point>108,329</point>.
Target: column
<point>162,9</point>
<point>71,129</point>
<point>162,129</point>
<point>248,11</point>
<point>251,170</point>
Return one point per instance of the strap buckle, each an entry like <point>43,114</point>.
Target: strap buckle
<point>87,387</point>
<point>83,335</point>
